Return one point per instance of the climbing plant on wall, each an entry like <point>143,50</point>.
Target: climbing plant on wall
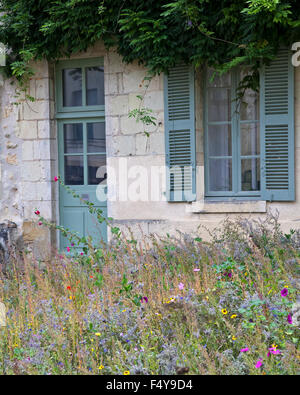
<point>157,33</point>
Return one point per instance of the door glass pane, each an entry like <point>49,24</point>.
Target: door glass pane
<point>73,138</point>
<point>219,140</point>
<point>251,174</point>
<point>94,86</point>
<point>72,87</point>
<point>96,137</point>
<point>250,142</point>
<point>74,170</point>
<point>96,169</point>
<point>220,174</point>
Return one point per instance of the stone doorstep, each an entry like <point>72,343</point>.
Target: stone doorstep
<point>223,207</point>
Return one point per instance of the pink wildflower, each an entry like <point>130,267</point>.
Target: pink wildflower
<point>181,286</point>
<point>284,292</point>
<point>258,363</point>
<point>37,212</point>
<point>196,270</point>
<point>289,319</point>
<point>244,349</point>
<point>68,249</point>
<point>55,179</point>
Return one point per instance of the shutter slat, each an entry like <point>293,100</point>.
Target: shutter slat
<point>277,128</point>
<point>180,134</point>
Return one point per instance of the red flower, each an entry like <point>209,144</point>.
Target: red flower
<point>69,288</point>
<point>37,212</point>
<point>40,223</point>
<point>55,179</point>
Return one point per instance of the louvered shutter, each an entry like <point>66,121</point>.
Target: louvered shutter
<point>180,134</point>
<point>277,129</point>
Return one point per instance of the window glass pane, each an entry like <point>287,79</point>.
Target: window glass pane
<point>96,169</point>
<point>220,174</point>
<point>219,140</point>
<point>250,139</point>
<point>219,104</point>
<point>249,110</point>
<point>223,81</point>
<point>73,138</point>
<point>96,137</point>
<point>94,86</point>
<point>250,106</point>
<point>72,87</point>
<point>251,174</point>
<point>74,170</point>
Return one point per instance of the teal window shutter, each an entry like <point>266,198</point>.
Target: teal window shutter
<point>180,142</point>
<point>277,129</point>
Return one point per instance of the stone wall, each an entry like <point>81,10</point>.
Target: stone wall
<point>28,158</point>
<point>28,153</point>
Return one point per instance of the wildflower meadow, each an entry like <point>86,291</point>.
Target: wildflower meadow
<point>162,305</point>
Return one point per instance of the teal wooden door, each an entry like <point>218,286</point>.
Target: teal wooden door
<point>81,146</point>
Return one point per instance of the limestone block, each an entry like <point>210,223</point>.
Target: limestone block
<point>31,171</point>
<point>130,125</point>
<point>115,64</point>
<point>36,110</point>
<point>124,145</point>
<point>42,89</point>
<point>26,130</point>
<point>111,83</point>
<point>44,129</point>
<point>27,150</point>
<point>112,125</point>
<point>142,144</point>
<point>133,79</point>
<point>157,143</point>
<point>133,101</point>
<point>154,100</point>
<point>41,69</point>
<point>42,150</point>
<point>116,105</point>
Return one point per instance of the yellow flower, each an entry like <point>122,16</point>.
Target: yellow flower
<point>97,334</point>
<point>233,338</point>
<point>224,311</point>
<point>233,316</point>
<point>101,367</point>
<point>123,311</point>
<point>126,373</point>
<point>71,297</point>
<point>246,274</point>
<point>274,346</point>
<point>93,349</point>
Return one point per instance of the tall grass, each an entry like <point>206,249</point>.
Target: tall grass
<point>164,305</point>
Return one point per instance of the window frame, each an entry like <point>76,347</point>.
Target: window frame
<point>83,111</point>
<point>236,155</point>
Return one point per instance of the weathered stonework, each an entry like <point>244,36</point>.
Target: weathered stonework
<point>28,158</point>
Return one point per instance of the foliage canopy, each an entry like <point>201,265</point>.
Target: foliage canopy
<point>221,33</point>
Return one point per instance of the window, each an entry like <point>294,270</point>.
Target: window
<point>232,137</point>
<point>80,111</point>
<point>249,146</point>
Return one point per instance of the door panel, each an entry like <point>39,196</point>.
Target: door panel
<point>82,163</point>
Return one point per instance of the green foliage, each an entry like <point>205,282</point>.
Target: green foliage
<point>221,33</point>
